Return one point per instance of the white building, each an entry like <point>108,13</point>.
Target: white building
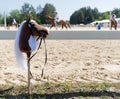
<point>106,22</point>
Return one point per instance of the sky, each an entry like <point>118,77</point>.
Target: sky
<point>65,8</point>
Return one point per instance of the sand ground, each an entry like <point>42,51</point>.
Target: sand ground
<point>68,60</point>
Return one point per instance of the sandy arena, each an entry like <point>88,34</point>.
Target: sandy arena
<point>68,60</point>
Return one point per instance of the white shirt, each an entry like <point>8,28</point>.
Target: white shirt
<point>14,21</point>
<point>113,16</point>
<point>56,18</point>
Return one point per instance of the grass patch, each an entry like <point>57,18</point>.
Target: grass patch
<point>62,90</point>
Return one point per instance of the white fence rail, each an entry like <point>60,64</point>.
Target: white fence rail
<point>69,35</point>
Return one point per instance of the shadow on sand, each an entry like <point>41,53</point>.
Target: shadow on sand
<point>59,95</point>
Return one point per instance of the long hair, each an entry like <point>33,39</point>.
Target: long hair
<point>18,54</point>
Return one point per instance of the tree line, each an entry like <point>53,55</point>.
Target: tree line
<point>84,15</point>
<point>39,14</point>
<point>87,15</point>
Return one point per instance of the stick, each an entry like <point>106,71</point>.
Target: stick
<point>29,91</point>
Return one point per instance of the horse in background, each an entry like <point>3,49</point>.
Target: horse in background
<point>63,23</point>
<point>28,39</point>
<point>113,24</point>
<point>13,25</point>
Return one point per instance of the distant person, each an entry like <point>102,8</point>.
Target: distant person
<point>56,18</point>
<point>14,22</point>
<point>113,21</point>
<point>98,26</point>
<point>113,16</point>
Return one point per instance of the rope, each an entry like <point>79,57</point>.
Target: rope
<point>41,38</point>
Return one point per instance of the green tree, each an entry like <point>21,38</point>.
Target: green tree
<point>105,15</point>
<point>26,10</point>
<point>1,19</point>
<point>96,13</point>
<point>73,19</point>
<point>39,10</point>
<point>117,12</point>
<point>15,14</point>
<point>88,15</point>
<point>48,10</point>
<point>83,15</point>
